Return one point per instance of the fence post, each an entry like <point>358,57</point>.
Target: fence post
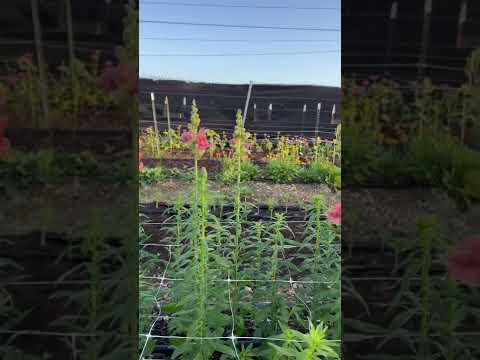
<point>425,38</point>
<point>333,121</point>
<point>319,110</point>
<point>270,109</point>
<point>71,52</point>
<point>247,102</point>
<point>40,57</point>
<point>154,112</point>
<point>462,19</point>
<point>391,31</point>
<point>167,106</point>
<point>164,110</point>
<point>184,105</point>
<point>304,113</point>
<point>254,112</point>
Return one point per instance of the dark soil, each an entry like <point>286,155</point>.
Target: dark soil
<point>95,141</point>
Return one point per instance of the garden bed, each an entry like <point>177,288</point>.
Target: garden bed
<point>249,302</point>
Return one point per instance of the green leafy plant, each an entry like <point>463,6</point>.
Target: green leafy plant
<point>152,176</point>
<point>248,171</point>
<point>310,346</point>
<point>281,171</point>
<point>322,172</point>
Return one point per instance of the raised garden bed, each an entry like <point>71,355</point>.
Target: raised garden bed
<point>257,294</point>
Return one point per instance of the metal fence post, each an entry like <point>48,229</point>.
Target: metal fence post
<point>270,109</point>
<point>391,31</point>
<point>333,115</point>
<point>154,112</point>
<point>40,57</point>
<point>425,39</point>
<point>167,106</point>
<point>304,113</point>
<point>462,19</point>
<point>184,105</point>
<point>71,51</point>
<point>319,110</point>
<point>254,112</point>
<point>247,102</point>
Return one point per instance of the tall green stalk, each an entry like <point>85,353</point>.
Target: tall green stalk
<point>426,235</point>
<point>203,255</point>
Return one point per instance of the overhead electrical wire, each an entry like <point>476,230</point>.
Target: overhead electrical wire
<point>238,6</point>
<point>242,54</point>
<point>238,40</point>
<point>238,26</point>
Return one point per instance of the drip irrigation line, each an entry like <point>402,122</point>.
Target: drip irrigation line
<point>243,54</point>
<point>242,6</point>
<point>238,26</point>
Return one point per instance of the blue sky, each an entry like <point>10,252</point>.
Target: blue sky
<point>317,69</point>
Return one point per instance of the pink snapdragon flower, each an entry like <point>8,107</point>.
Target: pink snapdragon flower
<point>464,262</point>
<point>335,214</point>
<point>187,136</point>
<point>202,141</point>
<point>199,140</point>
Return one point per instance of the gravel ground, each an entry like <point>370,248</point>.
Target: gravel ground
<point>255,192</point>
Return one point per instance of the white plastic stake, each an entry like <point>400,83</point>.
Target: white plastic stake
<point>247,102</point>
<point>154,113</point>
<point>319,110</point>
<point>167,105</point>
<point>304,112</point>
<point>394,11</point>
<point>462,19</point>
<point>463,13</point>
<point>40,57</point>
<point>428,7</point>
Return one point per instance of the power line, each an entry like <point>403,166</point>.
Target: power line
<point>238,26</point>
<point>244,6</point>
<point>243,54</point>
<point>238,40</point>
